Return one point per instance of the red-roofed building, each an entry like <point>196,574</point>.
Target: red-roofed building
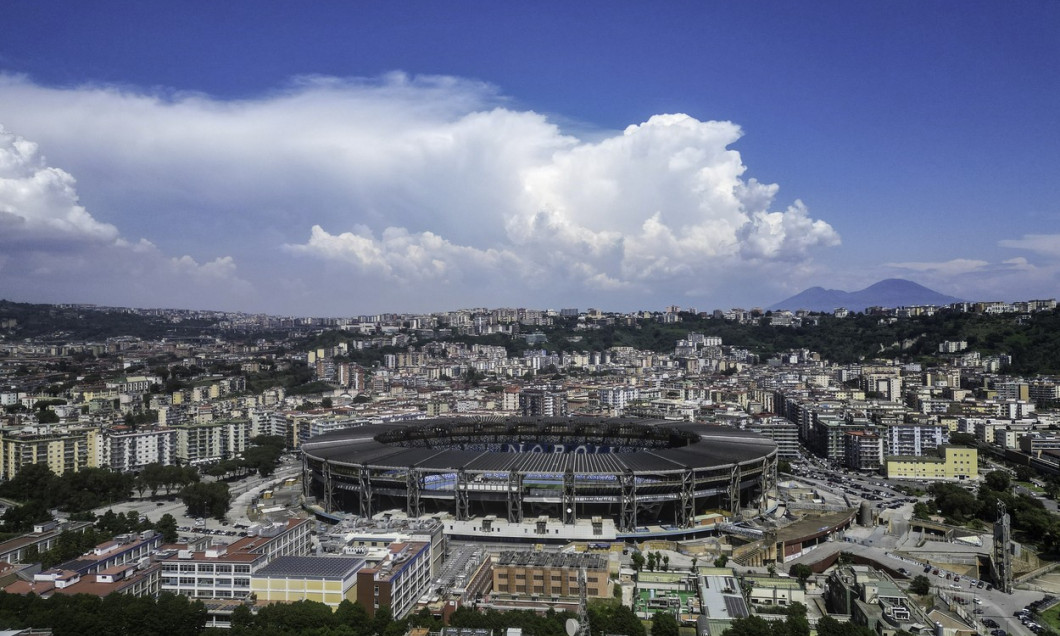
<point>223,571</point>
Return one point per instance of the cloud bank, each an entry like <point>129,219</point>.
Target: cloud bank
<point>52,249</point>
<point>338,196</point>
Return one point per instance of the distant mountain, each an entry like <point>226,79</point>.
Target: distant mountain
<point>893,292</point>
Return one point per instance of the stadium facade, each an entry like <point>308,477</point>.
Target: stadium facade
<point>638,472</point>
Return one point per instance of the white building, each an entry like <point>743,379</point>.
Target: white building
<point>128,451</point>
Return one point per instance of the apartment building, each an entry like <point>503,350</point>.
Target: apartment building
<point>125,450</point>
<point>323,579</point>
<point>550,574</point>
<point>542,402</point>
<point>134,579</point>
<point>62,449</point>
<point>615,398</point>
<point>120,551</point>
<point>781,431</point>
<point>42,539</point>
<point>911,438</point>
<point>863,450</point>
<point>204,442</point>
<point>224,571</point>
<point>397,581</point>
<point>953,463</point>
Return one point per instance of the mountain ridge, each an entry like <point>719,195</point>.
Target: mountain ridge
<point>890,292</point>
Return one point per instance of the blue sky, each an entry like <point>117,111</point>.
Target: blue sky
<point>360,157</point>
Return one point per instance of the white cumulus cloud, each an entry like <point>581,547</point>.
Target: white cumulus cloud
<point>415,193</point>
<point>54,249</point>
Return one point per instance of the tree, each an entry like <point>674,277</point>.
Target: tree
<point>1025,473</point>
<point>22,518</point>
<point>666,563</point>
<point>920,585</point>
<point>721,561</point>
<point>206,500</point>
<point>638,560</point>
<point>167,526</point>
<point>140,484</point>
<point>651,561</point>
<point>997,480</point>
<point>664,624</point>
<point>797,624</point>
<point>800,571</point>
<point>749,626</point>
<point>610,617</point>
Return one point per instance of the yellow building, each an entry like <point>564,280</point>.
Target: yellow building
<point>328,580</point>
<point>950,463</point>
<point>63,450</point>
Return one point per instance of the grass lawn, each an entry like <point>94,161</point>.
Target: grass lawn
<point>1031,487</point>
<point>1051,618</point>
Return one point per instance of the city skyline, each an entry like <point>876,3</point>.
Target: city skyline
<point>355,160</point>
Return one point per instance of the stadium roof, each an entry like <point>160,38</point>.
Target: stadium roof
<point>483,446</point>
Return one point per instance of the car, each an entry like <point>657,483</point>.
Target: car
<point>989,622</point>
<point>903,571</point>
<point>956,587</point>
<point>978,610</point>
<point>978,601</point>
<point>927,569</point>
<point>935,571</point>
<point>980,584</point>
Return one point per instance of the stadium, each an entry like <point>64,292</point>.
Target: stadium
<point>638,472</point>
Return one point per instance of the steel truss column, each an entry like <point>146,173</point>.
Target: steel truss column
<point>1002,551</point>
<point>307,478</point>
<point>768,482</point>
<point>687,512</point>
<point>461,496</point>
<point>628,521</point>
<point>734,490</point>
<point>413,479</point>
<point>515,497</point>
<point>329,493</point>
<point>364,478</point>
<point>569,511</point>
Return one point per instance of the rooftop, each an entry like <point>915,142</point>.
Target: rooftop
<point>312,567</point>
